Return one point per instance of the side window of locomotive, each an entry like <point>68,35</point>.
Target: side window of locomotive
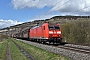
<point>54,27</point>
<point>44,27</point>
<point>57,27</point>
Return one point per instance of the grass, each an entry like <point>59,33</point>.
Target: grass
<point>16,53</point>
<point>40,54</point>
<point>3,49</point>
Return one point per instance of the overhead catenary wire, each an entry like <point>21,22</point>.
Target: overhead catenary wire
<point>66,3</point>
<point>56,8</point>
<point>45,14</point>
<point>82,8</point>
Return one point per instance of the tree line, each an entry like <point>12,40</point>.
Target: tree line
<point>76,31</point>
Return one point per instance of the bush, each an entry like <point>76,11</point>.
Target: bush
<point>2,37</point>
<point>77,31</point>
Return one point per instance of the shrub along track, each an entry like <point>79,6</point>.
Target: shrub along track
<point>24,52</point>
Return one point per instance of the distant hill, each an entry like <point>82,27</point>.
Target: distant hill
<point>55,19</point>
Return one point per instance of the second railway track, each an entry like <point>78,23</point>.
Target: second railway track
<point>82,50</point>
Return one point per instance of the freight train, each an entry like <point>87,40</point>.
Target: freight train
<point>43,33</point>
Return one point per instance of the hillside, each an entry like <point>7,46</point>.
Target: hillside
<point>56,19</point>
<point>75,29</point>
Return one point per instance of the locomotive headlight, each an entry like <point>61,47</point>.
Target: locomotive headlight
<point>50,32</point>
<point>59,32</point>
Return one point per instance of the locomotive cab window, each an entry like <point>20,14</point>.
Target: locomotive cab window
<point>54,27</point>
<point>57,27</point>
<point>51,27</point>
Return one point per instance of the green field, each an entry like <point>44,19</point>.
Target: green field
<point>3,49</point>
<point>16,54</point>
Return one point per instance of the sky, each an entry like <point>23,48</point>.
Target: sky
<point>13,12</point>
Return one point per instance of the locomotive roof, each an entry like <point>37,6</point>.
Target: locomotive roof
<point>50,24</point>
<point>35,27</point>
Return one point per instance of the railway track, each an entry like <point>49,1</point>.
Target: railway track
<point>76,49</point>
<point>73,47</point>
<point>79,46</point>
<point>73,52</point>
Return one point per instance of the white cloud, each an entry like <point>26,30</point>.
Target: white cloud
<point>72,6</point>
<point>7,23</point>
<point>31,3</point>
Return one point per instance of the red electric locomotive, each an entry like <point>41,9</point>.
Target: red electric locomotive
<point>43,33</point>
<point>46,33</point>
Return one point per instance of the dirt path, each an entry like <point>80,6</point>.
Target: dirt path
<point>8,56</point>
